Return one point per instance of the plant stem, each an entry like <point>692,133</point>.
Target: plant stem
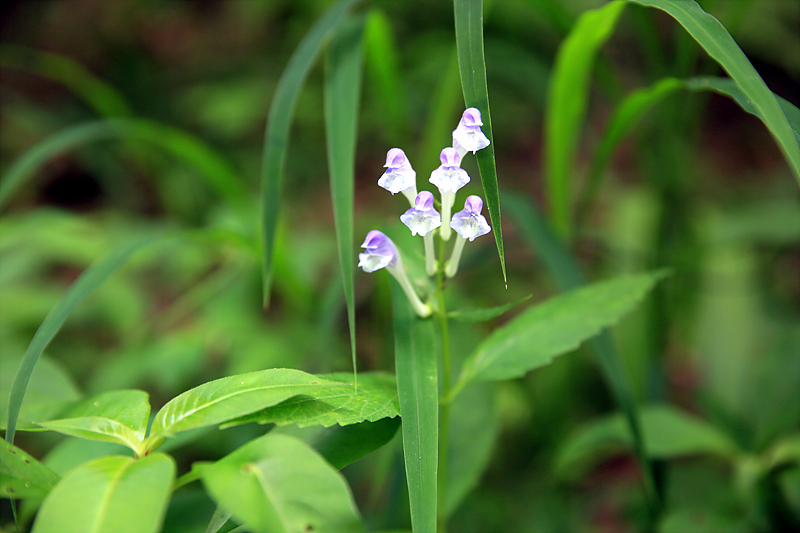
<point>444,410</point>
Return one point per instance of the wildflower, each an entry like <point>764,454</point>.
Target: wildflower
<point>422,219</point>
<point>399,176</point>
<point>448,178</point>
<point>382,253</point>
<point>468,137</point>
<point>469,224</point>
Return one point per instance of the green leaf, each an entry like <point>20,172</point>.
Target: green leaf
<point>554,327</point>
<point>566,107</point>
<point>276,138</point>
<point>110,495</point>
<point>625,116</point>
<point>278,484</point>
<point>22,476</point>
<point>85,285</point>
<point>715,39</point>
<point>217,171</point>
<point>342,446</point>
<point>383,69</point>
<point>231,397</point>
<point>376,399</point>
<point>49,392</point>
<point>668,434</point>
<point>417,388</point>
<point>342,91</point>
<point>119,417</point>
<point>482,315</point>
<point>472,66</point>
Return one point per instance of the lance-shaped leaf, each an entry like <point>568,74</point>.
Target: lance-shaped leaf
<point>110,495</point>
<point>482,315</point>
<point>22,476</point>
<point>375,399</point>
<point>231,397</point>
<point>278,484</point>
<point>554,327</point>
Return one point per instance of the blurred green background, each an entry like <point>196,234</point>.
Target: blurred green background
<point>699,186</point>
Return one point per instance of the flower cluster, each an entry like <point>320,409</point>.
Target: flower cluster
<point>422,218</point>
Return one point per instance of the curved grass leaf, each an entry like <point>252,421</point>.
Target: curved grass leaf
<point>217,172</point>
<point>342,91</point>
<point>375,399</point>
<point>417,388</point>
<point>668,433</point>
<point>342,446</point>
<point>110,495</point>
<point>472,66</point>
<point>22,476</point>
<point>482,315</point>
<point>277,483</point>
<point>231,397</point>
<point>566,107</point>
<point>85,285</point>
<point>715,39</point>
<point>276,138</point>
<point>554,327</point>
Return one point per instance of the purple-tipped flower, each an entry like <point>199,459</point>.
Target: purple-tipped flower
<point>449,177</point>
<point>381,252</point>
<point>468,137</point>
<point>469,223</point>
<point>399,176</point>
<point>422,218</point>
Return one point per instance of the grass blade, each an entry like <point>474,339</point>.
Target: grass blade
<point>342,92</point>
<point>276,138</point>
<point>383,68</point>
<point>417,383</point>
<point>566,107</point>
<point>472,66</point>
<point>85,285</point>
<point>715,39</point>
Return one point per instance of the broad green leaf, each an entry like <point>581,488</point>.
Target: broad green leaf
<point>278,484</point>
<point>128,407</point>
<point>22,476</point>
<point>375,399</point>
<point>217,171</point>
<point>482,315</point>
<point>715,39</point>
<point>100,429</point>
<point>625,116</point>
<point>342,446</point>
<point>49,392</point>
<point>554,327</point>
<point>85,285</point>
<point>472,66</point>
<point>383,69</point>
<point>276,138</point>
<point>417,388</point>
<point>668,434</point>
<point>342,92</point>
<point>232,397</point>
<point>566,107</point>
<point>110,495</point>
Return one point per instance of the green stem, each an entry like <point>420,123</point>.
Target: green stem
<point>444,412</point>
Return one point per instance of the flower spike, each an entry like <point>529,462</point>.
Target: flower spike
<point>422,219</point>
<point>468,137</point>
<point>469,224</point>
<point>399,176</point>
<point>448,178</point>
<point>382,253</point>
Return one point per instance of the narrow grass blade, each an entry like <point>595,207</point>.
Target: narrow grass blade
<point>342,93</point>
<point>417,383</point>
<point>625,116</point>
<point>472,66</point>
<point>715,39</point>
<point>85,285</point>
<point>110,495</point>
<point>276,138</point>
<point>216,170</point>
<point>566,107</point>
<point>383,68</point>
